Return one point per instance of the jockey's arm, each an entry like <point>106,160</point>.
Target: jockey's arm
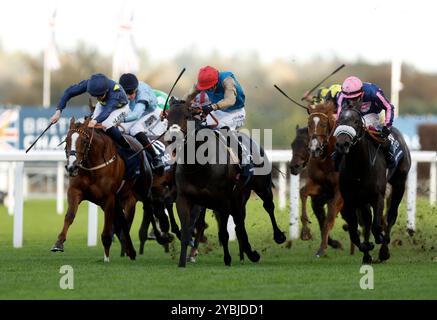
<point>230,95</point>
<point>387,106</point>
<point>137,112</point>
<point>70,92</point>
<point>110,106</point>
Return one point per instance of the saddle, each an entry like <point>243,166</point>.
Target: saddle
<point>378,137</point>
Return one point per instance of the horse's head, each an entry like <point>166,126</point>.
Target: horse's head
<point>350,129</point>
<point>321,123</point>
<point>299,146</point>
<point>178,117</point>
<point>78,143</point>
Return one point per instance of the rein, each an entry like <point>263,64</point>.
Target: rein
<point>88,147</point>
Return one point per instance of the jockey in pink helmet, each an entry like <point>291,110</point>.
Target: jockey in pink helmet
<point>369,99</point>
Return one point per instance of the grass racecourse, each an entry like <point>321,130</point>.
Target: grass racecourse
<point>284,272</point>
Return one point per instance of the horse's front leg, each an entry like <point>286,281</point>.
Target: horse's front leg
<point>109,213</point>
<point>305,234</point>
<point>129,210</point>
<point>334,206</point>
<point>184,207</point>
<point>74,197</point>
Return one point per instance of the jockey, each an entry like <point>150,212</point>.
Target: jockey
<point>112,104</point>
<point>324,94</point>
<point>227,104</point>
<point>143,114</point>
<point>369,99</point>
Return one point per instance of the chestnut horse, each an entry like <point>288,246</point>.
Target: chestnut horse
<point>96,173</point>
<point>323,180</point>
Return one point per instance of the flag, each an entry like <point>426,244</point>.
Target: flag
<point>125,57</point>
<point>8,129</point>
<point>51,59</point>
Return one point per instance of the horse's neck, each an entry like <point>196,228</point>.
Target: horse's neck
<point>216,149</point>
<point>102,149</point>
<point>358,156</point>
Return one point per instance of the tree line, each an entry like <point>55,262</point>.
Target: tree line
<point>21,82</point>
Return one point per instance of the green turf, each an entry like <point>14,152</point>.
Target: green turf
<point>32,272</point>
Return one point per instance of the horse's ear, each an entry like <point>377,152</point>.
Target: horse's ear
<point>297,127</point>
<point>72,121</point>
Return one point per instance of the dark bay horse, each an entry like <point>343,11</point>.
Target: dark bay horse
<point>96,173</point>
<point>211,184</point>
<point>363,182</point>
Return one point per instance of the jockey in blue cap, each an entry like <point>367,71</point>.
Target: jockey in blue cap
<point>143,116</point>
<point>112,104</point>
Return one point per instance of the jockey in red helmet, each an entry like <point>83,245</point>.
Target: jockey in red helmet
<point>226,101</point>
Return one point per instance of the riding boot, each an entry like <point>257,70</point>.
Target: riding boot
<point>116,135</point>
<point>244,157</point>
<point>393,153</point>
<point>156,163</point>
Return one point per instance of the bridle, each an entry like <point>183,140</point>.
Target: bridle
<point>351,131</point>
<point>324,137</point>
<point>87,148</point>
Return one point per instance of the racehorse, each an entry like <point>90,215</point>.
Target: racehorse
<point>212,184</point>
<point>97,174</point>
<point>297,165</point>
<point>363,182</point>
<point>322,177</point>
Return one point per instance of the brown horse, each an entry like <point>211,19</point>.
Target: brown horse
<point>323,180</point>
<point>298,166</point>
<point>96,173</point>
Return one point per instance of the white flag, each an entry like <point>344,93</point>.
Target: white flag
<point>125,58</point>
<point>51,58</point>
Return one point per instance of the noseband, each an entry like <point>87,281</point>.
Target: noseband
<point>351,131</point>
<point>325,137</point>
<point>87,150</point>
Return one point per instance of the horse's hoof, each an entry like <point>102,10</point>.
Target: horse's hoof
<point>335,244</point>
<point>191,259</point>
<point>367,260</point>
<point>105,258</point>
<point>280,238</point>
<point>227,261</point>
<point>306,235</point>
<point>57,248</point>
<point>384,253</point>
<point>254,256</point>
<point>133,255</point>
<point>320,253</point>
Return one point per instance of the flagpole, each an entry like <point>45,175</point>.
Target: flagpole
<point>46,82</point>
<point>396,84</point>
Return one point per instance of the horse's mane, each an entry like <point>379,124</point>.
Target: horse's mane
<point>326,108</point>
